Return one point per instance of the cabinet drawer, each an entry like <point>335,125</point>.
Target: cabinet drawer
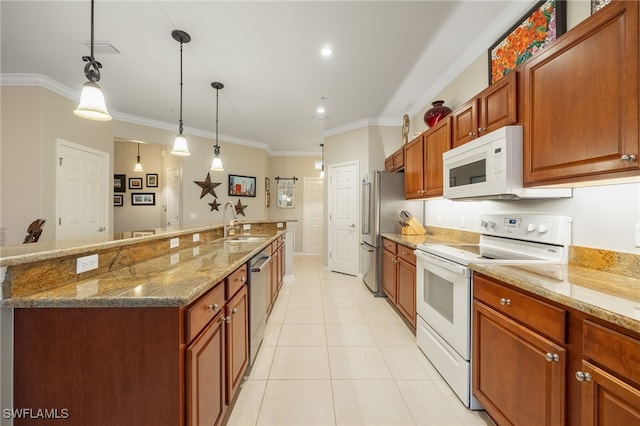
<point>612,350</point>
<point>398,159</point>
<point>199,313</point>
<point>389,245</point>
<point>536,314</point>
<point>406,253</point>
<point>236,280</point>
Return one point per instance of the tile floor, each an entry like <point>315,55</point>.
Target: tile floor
<point>335,355</point>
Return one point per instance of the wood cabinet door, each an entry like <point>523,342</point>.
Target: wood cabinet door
<point>436,141</point>
<point>498,104</point>
<point>518,376</point>
<point>281,257</point>
<point>237,340</point>
<point>205,375</point>
<point>581,101</point>
<point>388,163</point>
<point>407,291</point>
<point>607,400</point>
<point>389,271</point>
<point>273,280</point>
<point>398,160</point>
<point>465,123</point>
<point>413,169</point>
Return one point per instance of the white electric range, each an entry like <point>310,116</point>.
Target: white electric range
<point>444,285</point>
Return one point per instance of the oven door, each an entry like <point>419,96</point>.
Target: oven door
<point>443,299</point>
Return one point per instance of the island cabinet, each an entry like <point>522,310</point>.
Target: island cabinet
<point>134,365</point>
<point>423,161</point>
<point>581,101</point>
<point>519,359</point>
<point>399,278</point>
<point>395,162</point>
<point>494,107</point>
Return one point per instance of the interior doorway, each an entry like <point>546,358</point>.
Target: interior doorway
<point>312,215</point>
<point>343,215</point>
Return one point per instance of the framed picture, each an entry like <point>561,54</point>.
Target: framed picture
<point>119,183</point>
<point>135,183</point>
<point>118,200</point>
<point>143,198</point>
<point>152,180</point>
<point>242,186</point>
<point>545,22</point>
<point>267,183</point>
<point>286,194</point>
<point>596,5</point>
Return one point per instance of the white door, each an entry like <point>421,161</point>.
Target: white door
<point>172,206</point>
<point>343,214</point>
<point>312,215</point>
<point>82,191</point>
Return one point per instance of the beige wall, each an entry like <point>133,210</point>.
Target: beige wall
<point>299,167</point>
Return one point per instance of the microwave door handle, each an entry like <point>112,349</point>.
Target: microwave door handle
<point>366,208</point>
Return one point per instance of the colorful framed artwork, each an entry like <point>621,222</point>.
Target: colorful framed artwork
<point>152,180</point>
<point>545,22</point>
<point>242,186</point>
<point>118,200</point>
<point>119,183</point>
<point>135,183</point>
<point>143,198</point>
<point>596,5</point>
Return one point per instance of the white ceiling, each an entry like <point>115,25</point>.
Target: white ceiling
<point>390,58</point>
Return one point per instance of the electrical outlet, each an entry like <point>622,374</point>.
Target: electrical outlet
<point>86,263</point>
<point>196,237</point>
<point>246,226</point>
<point>637,234</point>
<point>193,216</point>
<point>174,242</point>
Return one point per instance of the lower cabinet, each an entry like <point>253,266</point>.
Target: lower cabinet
<point>237,322</point>
<point>399,278</point>
<point>536,362</point>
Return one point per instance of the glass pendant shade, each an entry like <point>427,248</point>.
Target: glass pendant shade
<point>180,146</point>
<point>216,164</point>
<point>138,167</point>
<point>92,105</point>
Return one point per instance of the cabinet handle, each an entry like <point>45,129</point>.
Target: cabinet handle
<point>628,157</point>
<point>582,376</point>
<point>505,302</point>
<point>213,307</point>
<point>471,134</point>
<point>242,279</point>
<point>481,129</point>
<point>226,319</point>
<point>552,357</point>
<point>234,311</point>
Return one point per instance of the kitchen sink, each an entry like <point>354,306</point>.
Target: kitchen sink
<point>246,238</point>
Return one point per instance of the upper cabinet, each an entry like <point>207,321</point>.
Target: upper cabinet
<point>395,162</point>
<point>494,107</point>
<point>581,98</point>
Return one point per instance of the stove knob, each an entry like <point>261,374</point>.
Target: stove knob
<point>531,227</point>
<point>543,229</point>
<point>483,223</point>
<point>491,224</point>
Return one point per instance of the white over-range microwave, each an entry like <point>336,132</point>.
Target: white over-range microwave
<point>490,167</point>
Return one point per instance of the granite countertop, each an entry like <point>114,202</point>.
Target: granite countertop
<point>610,297</point>
<point>413,241</point>
<point>175,279</point>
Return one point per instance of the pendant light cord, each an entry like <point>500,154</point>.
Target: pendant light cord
<point>92,68</point>
<point>217,146</point>
<point>180,129</point>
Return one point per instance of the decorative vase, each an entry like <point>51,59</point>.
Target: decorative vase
<point>437,112</point>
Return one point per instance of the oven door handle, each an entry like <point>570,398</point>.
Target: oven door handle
<point>443,263</point>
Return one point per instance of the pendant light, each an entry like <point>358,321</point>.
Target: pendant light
<point>216,164</point>
<point>322,163</point>
<point>180,144</point>
<point>138,167</point>
<point>92,105</point>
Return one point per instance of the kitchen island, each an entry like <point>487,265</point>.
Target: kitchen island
<point>157,334</point>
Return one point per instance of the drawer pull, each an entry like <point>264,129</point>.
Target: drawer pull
<point>628,157</point>
<point>213,307</point>
<point>226,319</point>
<point>583,376</point>
<point>234,311</point>
<point>505,302</point>
<point>552,357</point>
<point>242,279</point>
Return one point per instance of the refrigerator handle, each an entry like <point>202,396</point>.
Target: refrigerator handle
<point>366,208</point>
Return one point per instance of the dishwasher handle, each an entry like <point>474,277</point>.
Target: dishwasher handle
<point>255,268</point>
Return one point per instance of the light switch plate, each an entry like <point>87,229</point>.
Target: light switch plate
<point>86,263</point>
<point>246,226</point>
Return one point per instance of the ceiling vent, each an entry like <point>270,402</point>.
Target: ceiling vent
<point>101,47</point>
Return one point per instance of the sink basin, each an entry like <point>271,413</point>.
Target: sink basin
<point>246,238</point>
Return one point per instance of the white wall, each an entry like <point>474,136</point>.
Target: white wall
<point>603,216</point>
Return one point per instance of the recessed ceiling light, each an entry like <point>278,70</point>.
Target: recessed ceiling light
<point>320,110</point>
<point>326,51</point>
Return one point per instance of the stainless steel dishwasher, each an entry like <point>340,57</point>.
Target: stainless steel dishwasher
<point>258,292</point>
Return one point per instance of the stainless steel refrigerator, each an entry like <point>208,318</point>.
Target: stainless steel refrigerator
<point>382,201</point>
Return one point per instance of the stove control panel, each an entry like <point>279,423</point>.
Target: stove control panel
<point>548,229</point>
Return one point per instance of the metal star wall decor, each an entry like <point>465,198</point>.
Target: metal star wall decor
<point>240,208</point>
<point>207,186</point>
<point>214,205</point>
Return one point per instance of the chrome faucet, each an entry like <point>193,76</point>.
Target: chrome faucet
<point>224,216</point>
